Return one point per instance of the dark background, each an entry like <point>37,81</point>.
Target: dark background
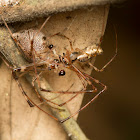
<point>115,115</point>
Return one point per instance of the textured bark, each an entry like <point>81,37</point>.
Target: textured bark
<point>29,9</point>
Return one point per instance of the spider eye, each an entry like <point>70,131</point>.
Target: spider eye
<point>44,37</point>
<point>50,46</point>
<point>62,73</point>
<point>56,60</point>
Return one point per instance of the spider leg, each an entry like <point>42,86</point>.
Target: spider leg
<point>80,75</point>
<point>42,26</point>
<point>61,35</point>
<point>96,81</point>
<point>116,51</point>
<point>73,68</point>
<point>83,83</point>
<point>30,102</point>
<point>33,50</point>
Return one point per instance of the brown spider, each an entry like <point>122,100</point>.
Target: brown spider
<point>42,56</point>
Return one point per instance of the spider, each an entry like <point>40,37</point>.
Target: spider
<point>35,50</point>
